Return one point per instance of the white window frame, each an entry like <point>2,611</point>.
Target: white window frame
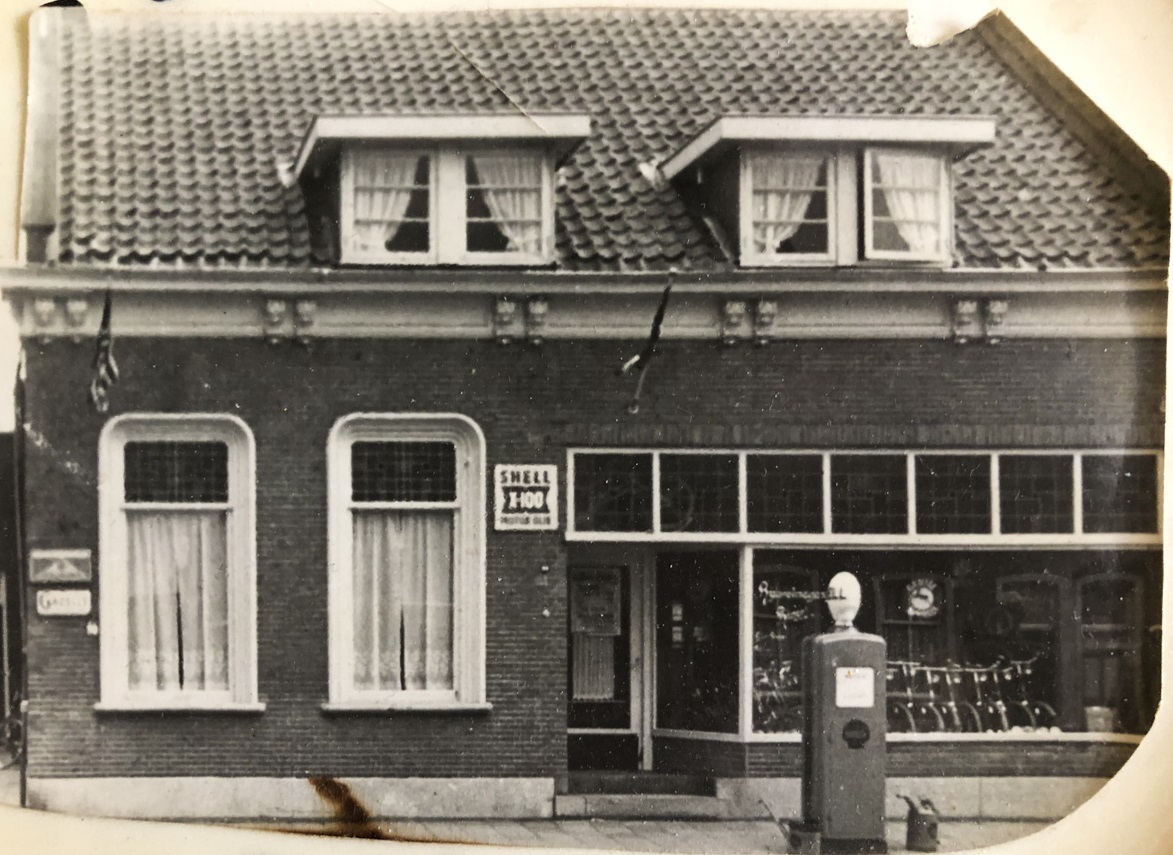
<point>468,571</point>
<point>241,551</point>
<point>351,253</point>
<point>846,216</point>
<point>447,200</point>
<point>944,208</point>
<point>749,253</point>
<point>994,538</point>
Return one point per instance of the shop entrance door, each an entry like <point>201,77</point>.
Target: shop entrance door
<point>697,641</point>
<point>604,673</point>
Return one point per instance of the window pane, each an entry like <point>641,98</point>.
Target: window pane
<point>1036,493</point>
<point>1120,493</point>
<point>698,492</point>
<point>789,203</point>
<point>906,201</point>
<point>869,494</point>
<point>391,201</point>
<point>780,624</point>
<point>785,492</point>
<point>402,600</point>
<point>175,471</point>
<point>504,203</point>
<point>953,494</point>
<point>613,492</point>
<point>177,614</point>
<point>386,471</point>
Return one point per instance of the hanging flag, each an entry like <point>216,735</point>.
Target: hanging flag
<point>642,359</point>
<point>105,367</point>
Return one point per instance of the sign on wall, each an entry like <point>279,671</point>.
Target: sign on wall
<point>526,497</point>
<point>54,566</point>
<point>64,602</point>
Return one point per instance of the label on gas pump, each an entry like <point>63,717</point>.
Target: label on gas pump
<point>855,688</point>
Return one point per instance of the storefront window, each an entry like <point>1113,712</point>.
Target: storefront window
<point>698,492</point>
<point>1119,493</point>
<point>782,617</point>
<point>869,494</point>
<point>978,642</point>
<point>613,492</point>
<point>784,492</point>
<point>696,641</point>
<point>1036,493</point>
<point>953,493</point>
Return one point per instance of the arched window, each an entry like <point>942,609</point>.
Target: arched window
<point>407,561</point>
<point>177,562</point>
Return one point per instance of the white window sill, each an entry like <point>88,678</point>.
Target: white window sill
<point>173,706</point>
<point>405,706</point>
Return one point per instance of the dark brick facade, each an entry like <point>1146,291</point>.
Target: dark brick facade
<point>531,403</point>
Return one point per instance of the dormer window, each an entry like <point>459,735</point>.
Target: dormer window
<point>906,204</point>
<point>446,206</point>
<point>438,189</point>
<point>829,190</point>
<point>805,207</point>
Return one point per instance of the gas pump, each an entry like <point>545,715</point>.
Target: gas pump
<point>843,732</point>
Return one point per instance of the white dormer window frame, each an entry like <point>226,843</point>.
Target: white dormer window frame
<point>925,171</point>
<point>848,211</point>
<point>528,239</point>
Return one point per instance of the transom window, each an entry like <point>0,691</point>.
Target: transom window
<point>798,496</point>
<point>178,563</point>
<point>843,205</point>
<point>407,561</point>
<point>446,205</point>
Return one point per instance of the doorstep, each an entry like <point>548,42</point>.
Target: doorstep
<point>649,806</point>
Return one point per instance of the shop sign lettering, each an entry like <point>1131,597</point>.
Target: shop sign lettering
<point>68,602</point>
<point>526,497</point>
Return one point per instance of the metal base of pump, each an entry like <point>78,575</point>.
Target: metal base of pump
<point>805,840</point>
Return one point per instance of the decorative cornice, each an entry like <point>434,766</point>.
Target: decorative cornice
<point>520,316</point>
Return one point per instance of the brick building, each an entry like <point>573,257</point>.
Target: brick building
<point>372,503</point>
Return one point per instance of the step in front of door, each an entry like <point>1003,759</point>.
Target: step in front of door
<point>582,783</point>
<point>644,806</point>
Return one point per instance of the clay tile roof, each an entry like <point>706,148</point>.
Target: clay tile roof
<point>172,128</point>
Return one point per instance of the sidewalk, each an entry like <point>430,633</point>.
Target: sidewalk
<point>684,836</point>
<point>760,837</point>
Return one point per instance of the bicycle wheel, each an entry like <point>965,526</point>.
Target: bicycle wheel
<point>900,719</point>
<point>1044,713</point>
<point>928,719</point>
<point>971,719</point>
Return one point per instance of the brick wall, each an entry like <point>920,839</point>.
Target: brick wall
<point>531,403</point>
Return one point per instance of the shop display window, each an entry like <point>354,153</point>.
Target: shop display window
<point>782,618</point>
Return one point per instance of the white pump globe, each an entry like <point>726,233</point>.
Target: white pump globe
<point>843,599</point>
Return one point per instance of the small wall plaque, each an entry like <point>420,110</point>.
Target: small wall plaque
<point>64,602</point>
<point>54,566</point>
<point>526,497</point>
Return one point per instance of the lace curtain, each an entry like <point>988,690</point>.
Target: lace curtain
<point>512,188</point>
<point>383,184</point>
<point>911,184</point>
<point>593,674</point>
<point>402,600</point>
<point>783,185</point>
<point>178,610</point>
